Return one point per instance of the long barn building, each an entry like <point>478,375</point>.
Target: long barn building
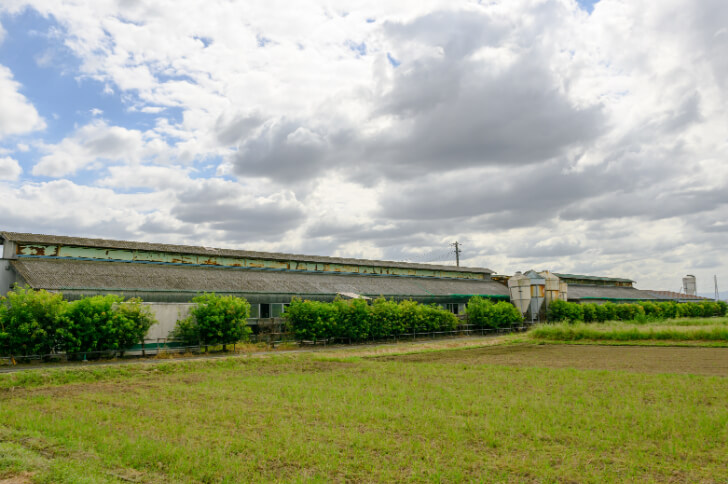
<point>80,267</point>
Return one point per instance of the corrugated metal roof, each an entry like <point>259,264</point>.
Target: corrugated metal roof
<point>579,291</point>
<point>59,274</point>
<point>188,249</point>
<point>679,296</point>
<point>591,278</point>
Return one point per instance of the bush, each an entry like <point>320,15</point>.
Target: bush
<point>652,310</point>
<point>565,311</point>
<point>31,322</point>
<point>480,312</point>
<point>722,308</point>
<point>506,314</point>
<point>215,320</point>
<point>642,311</point>
<point>102,323</point>
<point>590,312</point>
<point>386,320</point>
<point>483,313</point>
<point>668,309</point>
<point>355,320</point>
<point>629,311</point>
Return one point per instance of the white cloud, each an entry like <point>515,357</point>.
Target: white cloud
<point>95,142</point>
<point>596,142</point>
<point>17,115</point>
<point>10,170</point>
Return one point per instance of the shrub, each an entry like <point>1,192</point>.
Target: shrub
<point>215,320</point>
<point>668,309</point>
<point>652,310</point>
<point>483,313</point>
<point>311,320</point>
<point>480,312</point>
<point>386,320</point>
<point>565,311</point>
<point>31,322</point>
<point>506,314</point>
<point>355,320</point>
<point>629,312</point>
<point>590,312</point>
<point>722,308</point>
<point>609,311</point>
<point>102,323</point>
<point>132,322</point>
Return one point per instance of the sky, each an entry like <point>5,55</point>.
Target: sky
<point>586,137</point>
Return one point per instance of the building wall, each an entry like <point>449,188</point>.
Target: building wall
<point>166,315</point>
<point>7,277</point>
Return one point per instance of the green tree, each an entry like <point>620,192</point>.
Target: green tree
<point>102,323</point>
<point>31,322</point>
<point>480,312</point>
<point>215,320</point>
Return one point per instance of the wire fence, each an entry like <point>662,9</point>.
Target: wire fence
<point>171,347</point>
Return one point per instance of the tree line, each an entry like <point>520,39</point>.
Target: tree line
<point>641,310</point>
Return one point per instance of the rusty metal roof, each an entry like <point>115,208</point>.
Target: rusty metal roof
<point>586,292</point>
<point>188,249</point>
<point>64,274</point>
<point>591,278</point>
<point>679,296</point>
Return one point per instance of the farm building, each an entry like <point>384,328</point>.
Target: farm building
<point>532,292</point>
<point>80,267</point>
<point>597,289</point>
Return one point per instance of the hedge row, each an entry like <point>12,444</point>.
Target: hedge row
<point>483,313</point>
<point>569,311</point>
<point>215,320</point>
<point>42,323</point>
<point>356,320</point>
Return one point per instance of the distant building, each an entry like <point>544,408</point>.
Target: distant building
<point>586,289</point>
<point>679,297</point>
<point>79,267</point>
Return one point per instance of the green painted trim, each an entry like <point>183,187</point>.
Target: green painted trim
<point>621,298</point>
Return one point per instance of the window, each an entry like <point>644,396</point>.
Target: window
<point>265,310</point>
<point>453,308</point>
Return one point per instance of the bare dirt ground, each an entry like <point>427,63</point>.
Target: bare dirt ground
<point>640,359</point>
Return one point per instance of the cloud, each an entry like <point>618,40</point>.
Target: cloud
<point>10,170</point>
<point>93,142</point>
<point>227,207</point>
<point>528,130</point>
<point>18,115</point>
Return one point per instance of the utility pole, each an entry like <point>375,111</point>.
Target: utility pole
<point>717,294</point>
<point>457,252</point>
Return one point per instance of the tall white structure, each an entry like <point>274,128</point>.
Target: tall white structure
<point>689,285</point>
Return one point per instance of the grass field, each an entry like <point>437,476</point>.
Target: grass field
<point>713,330</point>
<point>507,413</point>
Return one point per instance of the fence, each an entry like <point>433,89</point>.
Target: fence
<point>162,346</point>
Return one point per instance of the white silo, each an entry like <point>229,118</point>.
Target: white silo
<point>552,287</point>
<point>690,285</point>
<point>538,290</point>
<point>519,287</point>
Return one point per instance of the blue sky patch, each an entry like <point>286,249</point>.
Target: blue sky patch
<point>44,67</point>
<point>360,49</point>
<point>392,60</point>
<point>587,5</point>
